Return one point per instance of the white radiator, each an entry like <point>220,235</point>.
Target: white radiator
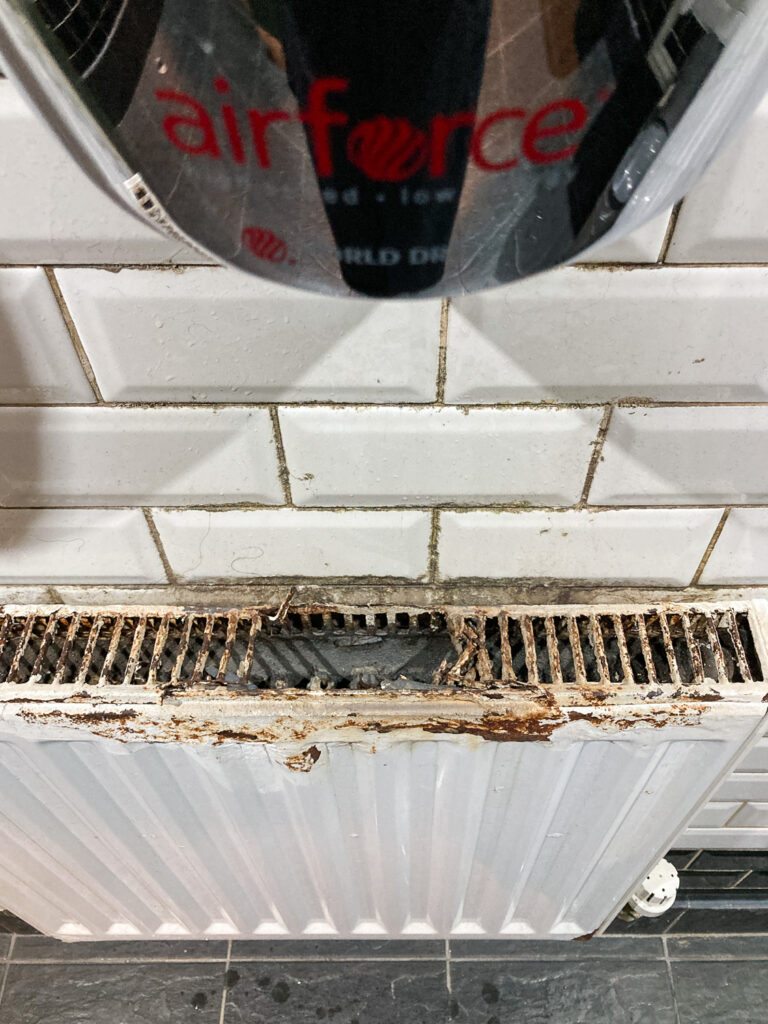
<point>481,805</point>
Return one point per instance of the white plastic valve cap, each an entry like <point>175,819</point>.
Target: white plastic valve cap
<point>655,894</point>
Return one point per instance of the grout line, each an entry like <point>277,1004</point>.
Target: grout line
<point>155,534</point>
<point>710,547</point>
<point>180,268</point>
<point>553,405</point>
<point>6,968</point>
<point>225,986</point>
<point>671,980</point>
<point>74,336</point>
<point>597,453</point>
<point>448,979</point>
<point>741,879</point>
<point>285,478</point>
<point>519,508</point>
<point>433,558</point>
<point>442,356</point>
<point>672,224</point>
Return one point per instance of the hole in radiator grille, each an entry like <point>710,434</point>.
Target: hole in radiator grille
<point>380,649</point>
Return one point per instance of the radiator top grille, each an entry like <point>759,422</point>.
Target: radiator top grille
<point>658,652</point>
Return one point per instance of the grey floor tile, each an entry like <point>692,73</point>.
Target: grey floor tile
<point>731,860</point>
<point>41,947</point>
<point>5,945</point>
<point>333,949</point>
<point>342,993</point>
<point>680,858</point>
<point>719,947</point>
<point>112,994</point>
<point>641,948</point>
<point>715,993</point>
<point>755,880</point>
<point>553,992</point>
<point>706,921</point>
<point>645,925</point>
<point>709,879</point>
<point>12,925</point>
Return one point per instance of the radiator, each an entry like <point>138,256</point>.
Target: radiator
<point>359,772</point>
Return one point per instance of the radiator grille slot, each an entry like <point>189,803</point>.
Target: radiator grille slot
<point>83,27</point>
<point>653,650</point>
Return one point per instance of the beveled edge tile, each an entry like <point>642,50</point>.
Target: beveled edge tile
<point>43,948</point>
<point>632,947</point>
<point>337,949</point>
<point>718,947</point>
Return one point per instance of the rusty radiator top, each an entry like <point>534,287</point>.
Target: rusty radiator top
<point>647,653</point>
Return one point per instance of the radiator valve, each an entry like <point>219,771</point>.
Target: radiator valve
<point>655,894</point>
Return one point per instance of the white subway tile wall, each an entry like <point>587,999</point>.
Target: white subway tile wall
<point>639,545</point>
<point>216,335</point>
<point>37,360</point>
<point>272,542</point>
<point>397,456</point>
<point>586,335</point>
<point>51,213</point>
<point>599,424</point>
<point>79,545</point>
<point>725,218</point>
<point>99,455</point>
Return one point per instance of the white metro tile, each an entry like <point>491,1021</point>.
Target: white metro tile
<point>51,212</point>
<point>632,545</point>
<point>214,334</point>
<point>756,760</point>
<point>400,456</point>
<point>37,360</point>
<point>643,245</point>
<point>741,552</point>
<point>293,542</point>
<point>714,815</point>
<point>744,786</point>
<point>119,456</point>
<point>724,219</point>
<point>577,335</point>
<point>753,814</point>
<point>697,455</point>
<point>77,546</point>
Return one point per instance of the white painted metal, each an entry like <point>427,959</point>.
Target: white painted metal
<point>400,833</point>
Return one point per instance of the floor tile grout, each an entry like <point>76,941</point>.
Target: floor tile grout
<point>671,980</point>
<point>6,968</point>
<point>226,982</point>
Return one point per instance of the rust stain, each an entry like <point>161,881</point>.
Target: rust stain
<point>587,937</point>
<point>305,761</point>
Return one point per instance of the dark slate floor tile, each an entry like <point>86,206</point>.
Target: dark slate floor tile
<point>731,860</point>
<point>708,992</point>
<point>755,880</point>
<point>640,948</point>
<point>333,949</point>
<point>556,992</point>
<point>41,947</point>
<point>12,925</point>
<point>705,922</point>
<point>644,925</point>
<point>709,879</point>
<point>5,945</point>
<point>719,947</point>
<point>112,994</point>
<point>340,993</point>
<point>680,858</point>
